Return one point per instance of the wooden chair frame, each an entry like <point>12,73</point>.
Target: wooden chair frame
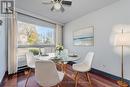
<point>87,76</point>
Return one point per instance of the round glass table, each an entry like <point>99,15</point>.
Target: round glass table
<point>51,56</point>
<point>62,60</point>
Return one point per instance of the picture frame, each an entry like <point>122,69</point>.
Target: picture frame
<point>84,36</point>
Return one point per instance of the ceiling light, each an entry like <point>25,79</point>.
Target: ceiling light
<point>57,6</point>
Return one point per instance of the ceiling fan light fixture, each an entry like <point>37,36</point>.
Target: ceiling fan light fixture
<point>57,6</point>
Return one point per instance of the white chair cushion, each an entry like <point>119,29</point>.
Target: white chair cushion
<point>85,65</point>
<point>31,66</point>
<point>81,67</point>
<point>61,75</point>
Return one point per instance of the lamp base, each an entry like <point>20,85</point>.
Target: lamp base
<point>122,83</point>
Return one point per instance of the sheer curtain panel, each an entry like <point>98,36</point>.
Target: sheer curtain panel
<point>12,31</point>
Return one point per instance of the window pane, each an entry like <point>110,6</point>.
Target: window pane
<point>31,34</point>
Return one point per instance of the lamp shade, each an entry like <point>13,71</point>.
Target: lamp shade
<point>122,39</point>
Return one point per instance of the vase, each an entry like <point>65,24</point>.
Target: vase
<point>59,54</point>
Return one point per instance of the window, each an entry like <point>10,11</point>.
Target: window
<point>35,35</point>
<point>32,36</point>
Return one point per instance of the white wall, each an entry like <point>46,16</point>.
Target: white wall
<point>103,20</point>
<point>3,61</point>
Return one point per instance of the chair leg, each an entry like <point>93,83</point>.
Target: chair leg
<point>62,66</point>
<point>59,85</point>
<point>75,76</point>
<point>89,80</point>
<point>65,67</point>
<point>76,79</point>
<point>28,77</point>
<point>86,77</point>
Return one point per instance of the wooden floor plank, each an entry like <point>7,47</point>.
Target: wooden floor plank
<point>19,79</point>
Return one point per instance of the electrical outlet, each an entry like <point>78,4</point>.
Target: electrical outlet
<point>104,66</point>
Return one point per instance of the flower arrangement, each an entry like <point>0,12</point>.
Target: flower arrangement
<point>59,47</point>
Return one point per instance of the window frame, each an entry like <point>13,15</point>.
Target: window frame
<point>37,46</point>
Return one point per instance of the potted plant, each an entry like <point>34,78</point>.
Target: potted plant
<point>35,51</point>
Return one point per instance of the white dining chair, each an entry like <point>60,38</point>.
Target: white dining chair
<point>43,51</point>
<point>30,63</point>
<point>52,55</point>
<point>46,73</point>
<point>84,67</point>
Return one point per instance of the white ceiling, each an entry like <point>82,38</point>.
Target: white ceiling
<point>78,8</point>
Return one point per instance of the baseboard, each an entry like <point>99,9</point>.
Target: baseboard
<point>3,79</point>
<point>104,74</point>
<point>108,75</point>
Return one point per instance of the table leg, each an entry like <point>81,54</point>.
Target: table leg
<point>64,66</point>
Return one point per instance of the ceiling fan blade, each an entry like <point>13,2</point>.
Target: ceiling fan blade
<point>61,1</point>
<point>52,9</point>
<point>67,2</point>
<point>62,9</point>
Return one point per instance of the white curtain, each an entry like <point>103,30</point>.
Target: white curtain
<point>59,32</point>
<point>12,31</point>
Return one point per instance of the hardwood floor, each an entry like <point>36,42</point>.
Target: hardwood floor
<point>18,80</point>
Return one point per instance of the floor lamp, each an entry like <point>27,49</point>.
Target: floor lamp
<point>122,40</point>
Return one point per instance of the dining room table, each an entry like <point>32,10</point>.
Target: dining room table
<point>63,60</point>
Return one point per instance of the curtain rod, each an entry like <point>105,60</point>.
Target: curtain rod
<point>35,17</point>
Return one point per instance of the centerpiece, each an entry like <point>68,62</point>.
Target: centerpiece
<point>59,49</point>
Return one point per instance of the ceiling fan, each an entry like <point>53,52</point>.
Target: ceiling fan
<point>57,5</point>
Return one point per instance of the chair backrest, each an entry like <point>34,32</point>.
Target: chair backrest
<point>46,73</point>
<point>52,54</point>
<point>89,58</point>
<point>30,59</point>
<point>43,51</point>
